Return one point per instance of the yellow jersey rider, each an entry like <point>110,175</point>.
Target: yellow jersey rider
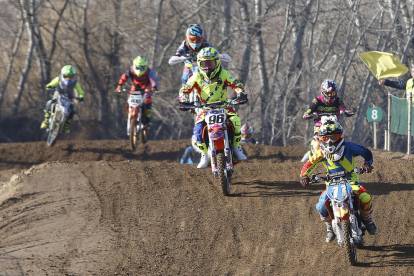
<point>65,83</point>
<point>337,156</point>
<point>211,82</point>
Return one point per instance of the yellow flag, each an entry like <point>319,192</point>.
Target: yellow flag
<point>383,65</point>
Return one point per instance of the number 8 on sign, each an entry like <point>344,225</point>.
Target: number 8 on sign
<point>374,114</point>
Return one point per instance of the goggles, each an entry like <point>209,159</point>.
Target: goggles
<point>140,68</point>
<point>68,77</point>
<point>208,64</point>
<point>330,93</point>
<point>246,135</point>
<point>331,138</point>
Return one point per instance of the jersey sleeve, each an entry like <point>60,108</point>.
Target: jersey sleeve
<point>312,163</point>
<point>123,79</point>
<point>312,107</point>
<point>181,49</point>
<point>234,84</point>
<point>357,150</point>
<point>153,79</point>
<point>342,106</point>
<point>192,84</point>
<point>53,83</point>
<point>80,90</point>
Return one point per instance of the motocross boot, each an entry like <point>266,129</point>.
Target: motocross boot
<point>45,123</point>
<point>149,118</point>
<point>238,152</point>
<point>205,160</point>
<point>330,235</point>
<point>67,125</point>
<point>370,225</point>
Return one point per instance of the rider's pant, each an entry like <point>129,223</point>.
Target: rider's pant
<point>54,100</point>
<point>187,71</point>
<point>363,198</point>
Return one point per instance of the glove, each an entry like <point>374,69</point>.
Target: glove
<point>80,99</point>
<point>306,116</point>
<point>304,180</point>
<point>119,88</point>
<point>349,113</point>
<point>367,167</point>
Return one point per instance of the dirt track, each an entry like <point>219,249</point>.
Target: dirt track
<point>95,208</point>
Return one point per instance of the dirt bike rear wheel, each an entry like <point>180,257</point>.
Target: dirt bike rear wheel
<point>350,248</point>
<point>53,135</point>
<point>223,178</point>
<point>133,137</point>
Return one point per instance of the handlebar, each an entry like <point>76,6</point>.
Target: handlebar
<point>316,178</point>
<point>189,106</point>
<point>123,90</point>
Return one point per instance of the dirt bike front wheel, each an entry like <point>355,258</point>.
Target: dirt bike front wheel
<point>53,134</point>
<point>133,137</point>
<point>350,248</point>
<point>224,179</point>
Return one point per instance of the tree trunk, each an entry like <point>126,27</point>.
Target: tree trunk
<point>9,70</point>
<point>28,60</point>
<point>261,59</point>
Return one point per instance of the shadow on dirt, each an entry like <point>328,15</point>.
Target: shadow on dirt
<point>398,255</point>
<point>386,188</point>
<point>285,189</point>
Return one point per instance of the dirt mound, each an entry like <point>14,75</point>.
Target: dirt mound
<point>96,208</point>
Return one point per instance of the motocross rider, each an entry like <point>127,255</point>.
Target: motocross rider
<point>211,82</point>
<point>65,83</point>
<point>337,155</point>
<point>144,80</point>
<point>193,43</point>
<point>327,102</point>
<point>246,132</point>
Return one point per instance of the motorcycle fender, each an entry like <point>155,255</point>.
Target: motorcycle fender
<point>134,113</point>
<point>342,212</point>
<point>219,144</point>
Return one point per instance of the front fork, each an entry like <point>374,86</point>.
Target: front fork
<point>227,154</point>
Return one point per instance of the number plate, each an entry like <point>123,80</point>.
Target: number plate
<point>215,118</point>
<point>135,99</point>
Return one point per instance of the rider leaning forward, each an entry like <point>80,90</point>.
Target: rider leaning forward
<point>327,102</point>
<point>65,83</point>
<point>211,82</point>
<point>337,156</point>
<point>144,80</point>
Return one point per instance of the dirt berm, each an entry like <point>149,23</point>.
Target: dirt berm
<point>96,208</point>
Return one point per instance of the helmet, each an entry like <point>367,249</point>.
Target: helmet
<point>331,136</point>
<point>140,65</point>
<point>246,131</point>
<point>195,36</point>
<point>208,61</point>
<point>67,74</point>
<point>329,90</point>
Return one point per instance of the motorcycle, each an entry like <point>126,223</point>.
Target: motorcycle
<point>59,114</point>
<point>343,210</point>
<point>137,129</point>
<point>218,136</point>
<point>315,144</point>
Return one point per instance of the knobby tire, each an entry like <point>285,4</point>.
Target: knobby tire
<point>53,135</point>
<point>224,181</point>
<point>349,247</point>
<point>133,138</point>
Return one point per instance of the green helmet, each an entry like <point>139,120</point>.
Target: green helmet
<point>67,74</point>
<point>208,60</point>
<point>140,65</point>
<point>68,70</point>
